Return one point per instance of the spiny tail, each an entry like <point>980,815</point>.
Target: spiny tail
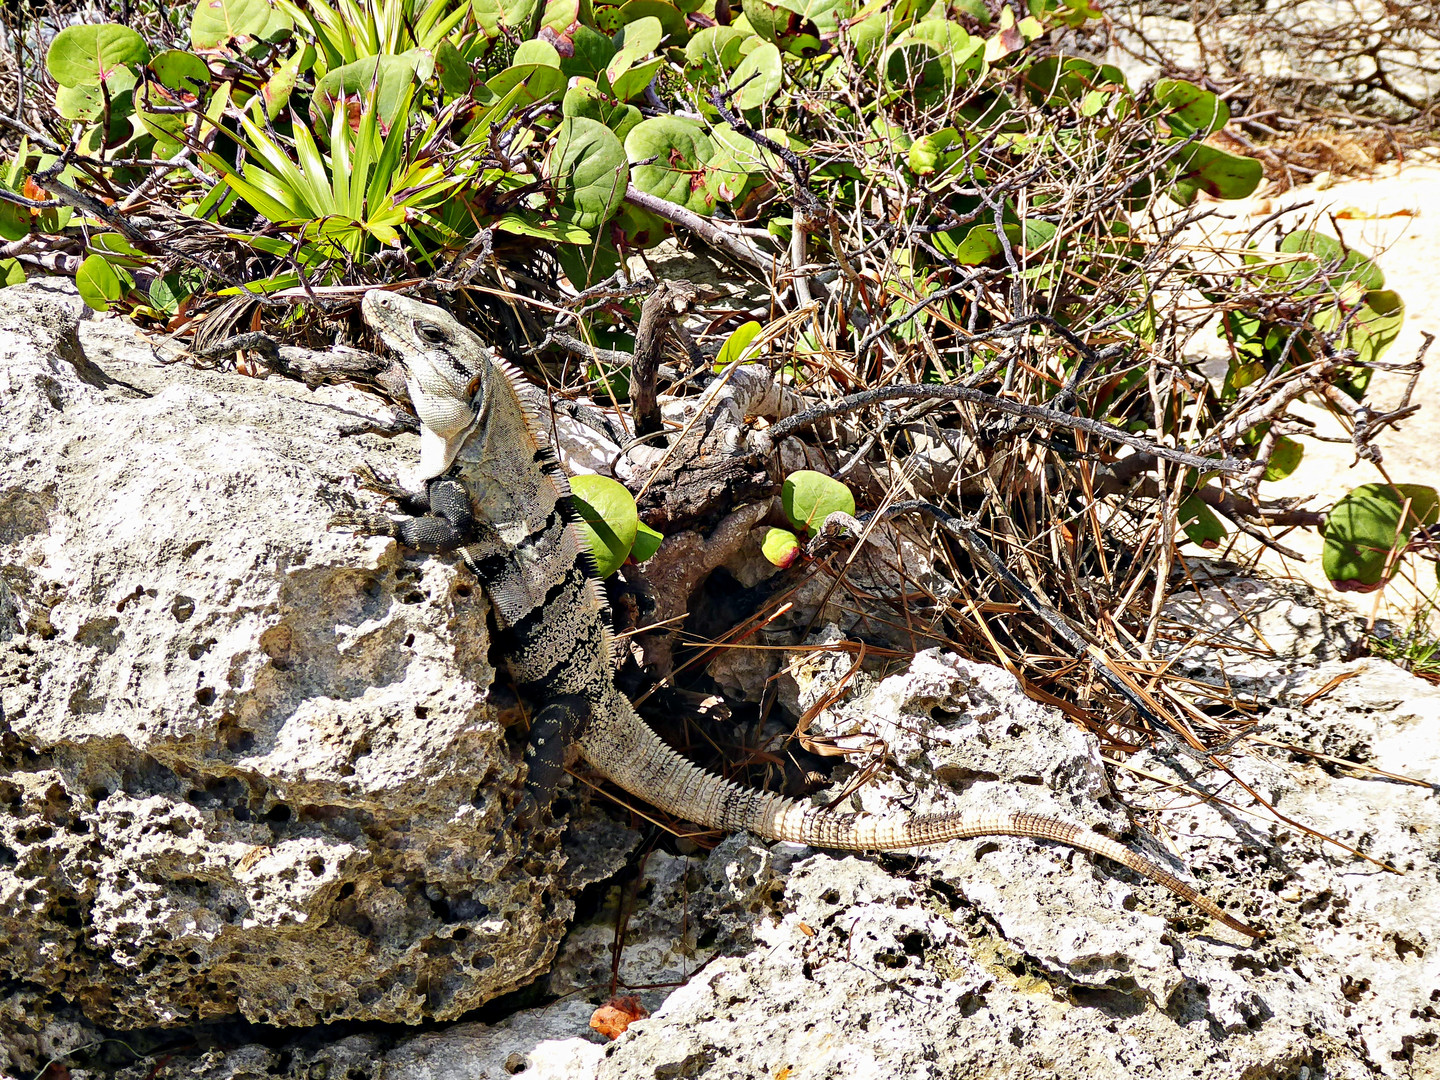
<point>632,756</point>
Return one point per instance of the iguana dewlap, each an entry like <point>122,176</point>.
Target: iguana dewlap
<point>495,490</point>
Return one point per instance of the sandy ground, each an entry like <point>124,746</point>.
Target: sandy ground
<point>1395,217</point>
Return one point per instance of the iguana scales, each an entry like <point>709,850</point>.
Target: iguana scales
<point>495,490</point>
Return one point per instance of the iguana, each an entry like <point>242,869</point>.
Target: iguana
<point>495,489</point>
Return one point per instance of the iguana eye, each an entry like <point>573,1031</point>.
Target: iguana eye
<point>428,333</point>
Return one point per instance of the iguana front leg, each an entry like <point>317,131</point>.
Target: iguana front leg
<point>438,520</point>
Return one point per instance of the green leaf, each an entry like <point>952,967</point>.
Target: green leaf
<point>388,78</point>
<point>785,29</point>
<point>79,102</point>
<point>1365,532</point>
<point>588,170</point>
<point>647,542</point>
<point>1200,523</point>
<point>536,51</point>
<point>1225,176</point>
<point>591,51</point>
<point>218,21</point>
<point>1187,109</point>
<point>808,498</point>
<point>932,55</point>
<point>980,244</point>
<point>281,84</point>
<point>538,82</point>
<point>98,283</point>
<point>12,272</point>
<point>672,19</point>
<point>633,83</point>
<point>717,45</point>
<point>677,151</point>
<point>88,55</point>
<point>585,100</point>
<point>452,69</point>
<point>736,344</point>
<point>1286,458</point>
<point>181,72</point>
<point>759,76</point>
<point>781,547</point>
<point>635,41</point>
<point>166,293</point>
<point>939,152</point>
<point>608,520</point>
<point>1342,265</point>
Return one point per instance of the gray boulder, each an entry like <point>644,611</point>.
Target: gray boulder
<point>246,762</point>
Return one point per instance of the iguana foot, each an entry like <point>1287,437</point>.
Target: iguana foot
<point>365,523</point>
<point>383,484</point>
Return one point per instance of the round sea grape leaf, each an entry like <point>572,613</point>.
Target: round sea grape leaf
<point>720,45</point>
<point>608,520</point>
<point>1200,523</point>
<point>758,76</point>
<point>1286,458</point>
<point>1364,531</point>
<point>647,542</point>
<point>1213,171</point>
<point>14,221</point>
<point>88,55</point>
<point>979,244</point>
<point>217,21</point>
<point>78,102</point>
<point>742,153</point>
<point>540,81</point>
<point>588,170</point>
<point>98,283</point>
<point>452,69</point>
<point>784,28</point>
<point>781,547</point>
<point>1187,109</point>
<point>634,41</point>
<point>12,272</point>
<point>585,99</point>
<point>592,51</point>
<point>391,76</point>
<point>672,20</point>
<point>182,73</point>
<point>939,151</point>
<point>677,151</point>
<point>1343,265</point>
<point>809,497</point>
<point>536,51</point>
<point>608,18</point>
<point>636,227</point>
<point>633,83</point>
<point>932,54</point>
<point>166,294</point>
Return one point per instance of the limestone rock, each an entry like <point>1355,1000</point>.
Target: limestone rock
<point>246,761</point>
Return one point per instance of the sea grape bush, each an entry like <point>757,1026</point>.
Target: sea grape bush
<point>290,148</point>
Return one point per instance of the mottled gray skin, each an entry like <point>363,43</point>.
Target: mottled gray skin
<point>495,490</point>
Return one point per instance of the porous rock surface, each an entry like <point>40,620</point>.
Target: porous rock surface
<point>246,762</point>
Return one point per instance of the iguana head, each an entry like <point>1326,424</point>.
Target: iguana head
<point>445,370</point>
